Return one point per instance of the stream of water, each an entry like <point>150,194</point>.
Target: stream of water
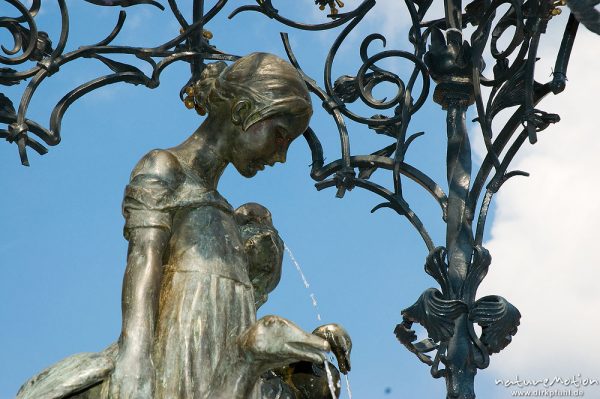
<point>313,300</point>
<point>348,386</point>
<point>330,380</point>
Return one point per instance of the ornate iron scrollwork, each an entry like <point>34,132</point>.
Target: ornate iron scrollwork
<point>33,46</point>
<point>441,53</point>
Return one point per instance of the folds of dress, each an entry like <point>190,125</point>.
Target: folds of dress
<point>206,298</point>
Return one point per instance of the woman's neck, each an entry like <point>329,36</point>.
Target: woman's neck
<point>202,153</point>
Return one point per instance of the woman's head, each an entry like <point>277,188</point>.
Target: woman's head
<point>265,97</point>
<point>264,83</point>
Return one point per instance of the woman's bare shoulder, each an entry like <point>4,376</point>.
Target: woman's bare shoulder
<point>160,165</point>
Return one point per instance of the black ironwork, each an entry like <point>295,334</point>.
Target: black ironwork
<point>31,45</point>
<point>439,52</point>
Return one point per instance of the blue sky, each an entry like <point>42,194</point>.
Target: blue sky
<point>62,254</point>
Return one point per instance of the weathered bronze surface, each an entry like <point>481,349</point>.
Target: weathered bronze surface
<point>197,270</point>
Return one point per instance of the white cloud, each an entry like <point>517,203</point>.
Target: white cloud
<point>388,17</point>
<point>544,238</point>
<point>392,19</point>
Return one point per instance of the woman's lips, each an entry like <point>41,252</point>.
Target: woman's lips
<point>260,165</point>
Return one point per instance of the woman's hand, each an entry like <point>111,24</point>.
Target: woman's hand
<point>133,377</point>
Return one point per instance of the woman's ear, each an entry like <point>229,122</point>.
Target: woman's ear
<point>240,111</point>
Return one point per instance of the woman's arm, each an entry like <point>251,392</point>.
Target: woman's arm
<point>133,377</point>
<point>141,289</point>
<point>147,228</point>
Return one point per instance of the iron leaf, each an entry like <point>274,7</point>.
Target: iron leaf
<point>436,314</point>
<point>498,319</point>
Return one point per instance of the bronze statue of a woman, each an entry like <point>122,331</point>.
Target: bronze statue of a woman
<point>186,291</point>
<point>196,268</point>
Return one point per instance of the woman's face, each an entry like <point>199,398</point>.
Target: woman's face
<point>266,142</point>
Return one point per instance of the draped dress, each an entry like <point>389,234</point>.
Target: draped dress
<point>206,298</point>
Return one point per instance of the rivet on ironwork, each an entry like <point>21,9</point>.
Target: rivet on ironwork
<point>50,65</point>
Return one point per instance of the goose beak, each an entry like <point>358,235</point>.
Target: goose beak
<point>311,349</point>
